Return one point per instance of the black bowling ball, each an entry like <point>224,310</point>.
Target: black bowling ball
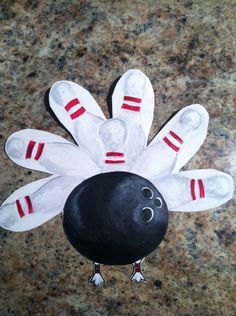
<point>115,218</point>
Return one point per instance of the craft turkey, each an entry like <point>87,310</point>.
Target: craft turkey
<point>113,189</point>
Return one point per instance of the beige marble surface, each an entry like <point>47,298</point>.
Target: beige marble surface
<point>187,48</point>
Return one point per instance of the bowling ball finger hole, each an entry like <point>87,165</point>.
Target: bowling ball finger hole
<point>147,193</point>
<point>158,202</point>
<point>147,214</point>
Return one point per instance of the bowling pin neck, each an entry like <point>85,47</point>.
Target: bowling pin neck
<point>88,118</point>
<point>113,147</point>
<point>111,167</point>
<point>181,130</point>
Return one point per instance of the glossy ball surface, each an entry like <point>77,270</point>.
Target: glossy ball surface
<point>115,218</point>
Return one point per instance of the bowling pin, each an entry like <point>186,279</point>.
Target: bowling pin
<point>195,190</point>
<point>113,134</point>
<point>37,202</point>
<point>80,114</point>
<point>135,143</point>
<point>180,139</point>
<point>122,144</point>
<point>49,153</point>
<point>133,100</point>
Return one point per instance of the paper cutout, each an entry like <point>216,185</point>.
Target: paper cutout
<point>80,114</point>
<point>96,278</point>
<point>192,136</point>
<point>108,151</point>
<point>49,153</point>
<point>137,274</point>
<point>37,202</point>
<point>176,143</point>
<point>109,219</point>
<point>133,100</point>
<point>195,190</point>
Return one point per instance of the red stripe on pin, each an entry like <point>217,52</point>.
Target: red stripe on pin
<point>201,188</point>
<point>170,144</point>
<point>114,161</point>
<point>175,136</point>
<point>29,204</point>
<point>71,104</point>
<point>29,149</point>
<point>78,113</point>
<point>39,151</point>
<point>192,187</point>
<point>137,267</point>
<point>130,107</point>
<point>132,99</point>
<point>96,268</point>
<point>114,154</point>
<point>19,208</point>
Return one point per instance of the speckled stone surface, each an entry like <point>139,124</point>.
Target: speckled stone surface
<point>187,48</point>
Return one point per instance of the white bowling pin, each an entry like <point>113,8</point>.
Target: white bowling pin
<point>113,134</point>
<point>135,143</point>
<point>48,198</point>
<point>161,157</point>
<point>133,100</point>
<point>182,192</point>
<point>187,142</point>
<point>55,157</point>
<point>134,90</point>
<point>78,113</point>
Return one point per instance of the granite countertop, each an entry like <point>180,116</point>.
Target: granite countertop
<point>187,48</point>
